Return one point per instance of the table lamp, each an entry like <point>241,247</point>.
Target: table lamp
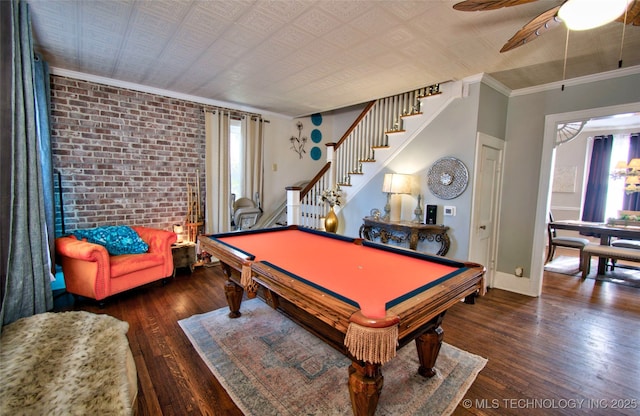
<point>394,185</point>
<point>178,230</point>
<point>632,184</point>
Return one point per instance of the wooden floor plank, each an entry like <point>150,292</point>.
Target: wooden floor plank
<point>578,341</point>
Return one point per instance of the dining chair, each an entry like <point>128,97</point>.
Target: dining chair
<point>561,241</point>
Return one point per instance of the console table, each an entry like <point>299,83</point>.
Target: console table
<point>403,231</point>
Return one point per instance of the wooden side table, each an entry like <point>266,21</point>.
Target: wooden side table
<point>184,255</point>
<point>405,231</point>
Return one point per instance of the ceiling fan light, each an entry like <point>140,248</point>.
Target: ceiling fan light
<point>589,14</point>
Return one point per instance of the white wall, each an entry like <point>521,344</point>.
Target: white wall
<point>289,167</point>
<point>570,157</point>
<point>283,167</point>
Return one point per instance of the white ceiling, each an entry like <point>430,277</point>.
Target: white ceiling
<point>297,57</point>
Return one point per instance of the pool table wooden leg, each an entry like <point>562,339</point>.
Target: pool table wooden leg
<point>365,385</point>
<point>428,346</point>
<point>233,293</point>
<point>471,299</point>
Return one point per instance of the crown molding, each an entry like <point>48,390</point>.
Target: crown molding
<point>158,91</point>
<point>481,77</point>
<point>489,81</point>
<point>500,87</point>
<point>495,84</point>
<point>601,76</point>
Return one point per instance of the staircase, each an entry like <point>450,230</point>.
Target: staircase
<point>400,134</point>
<point>385,127</point>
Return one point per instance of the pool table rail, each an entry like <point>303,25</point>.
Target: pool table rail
<point>420,309</point>
<point>317,303</point>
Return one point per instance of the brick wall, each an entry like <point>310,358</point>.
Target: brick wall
<point>124,157</point>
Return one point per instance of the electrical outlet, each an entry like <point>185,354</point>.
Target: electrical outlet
<point>449,211</point>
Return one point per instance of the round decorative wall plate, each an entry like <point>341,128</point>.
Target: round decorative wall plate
<point>447,178</point>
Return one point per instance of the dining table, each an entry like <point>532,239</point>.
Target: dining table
<point>606,232</point>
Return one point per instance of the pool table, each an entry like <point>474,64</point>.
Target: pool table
<point>365,299</point>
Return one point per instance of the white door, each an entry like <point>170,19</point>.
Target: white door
<point>486,200</point>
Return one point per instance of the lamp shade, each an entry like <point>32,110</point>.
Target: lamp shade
<point>178,230</point>
<point>396,183</point>
<point>621,165</point>
<point>634,164</point>
<point>589,14</point>
<point>632,180</point>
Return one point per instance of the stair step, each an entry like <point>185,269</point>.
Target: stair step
<point>411,115</point>
<point>367,160</point>
<point>379,147</point>
<point>432,94</point>
<point>394,131</point>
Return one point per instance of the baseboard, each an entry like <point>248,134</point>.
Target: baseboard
<point>511,283</point>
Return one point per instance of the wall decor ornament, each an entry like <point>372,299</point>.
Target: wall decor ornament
<point>316,119</point>
<point>316,136</point>
<point>297,143</point>
<point>447,178</point>
<point>315,153</point>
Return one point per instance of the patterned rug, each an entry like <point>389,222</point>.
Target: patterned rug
<point>271,366</point>
<point>622,275</point>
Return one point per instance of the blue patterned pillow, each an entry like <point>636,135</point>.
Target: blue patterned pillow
<point>117,239</point>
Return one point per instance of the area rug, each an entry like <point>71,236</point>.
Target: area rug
<point>566,265</point>
<point>271,366</point>
<point>627,276</point>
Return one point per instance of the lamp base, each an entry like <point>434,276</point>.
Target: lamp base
<point>387,209</point>
<point>396,208</point>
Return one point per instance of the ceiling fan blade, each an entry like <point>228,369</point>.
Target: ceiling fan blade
<point>536,27</point>
<point>633,14</point>
<point>478,5</point>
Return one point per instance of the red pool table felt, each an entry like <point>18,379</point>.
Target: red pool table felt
<point>370,277</point>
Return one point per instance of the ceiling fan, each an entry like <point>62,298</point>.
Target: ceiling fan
<point>550,18</point>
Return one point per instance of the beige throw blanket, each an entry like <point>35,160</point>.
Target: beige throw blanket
<point>71,363</point>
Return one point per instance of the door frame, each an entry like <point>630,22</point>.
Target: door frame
<point>483,139</point>
<point>544,183</point>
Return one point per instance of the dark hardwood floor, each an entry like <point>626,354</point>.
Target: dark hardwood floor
<point>573,350</point>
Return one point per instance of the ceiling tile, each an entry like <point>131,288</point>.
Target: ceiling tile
<point>294,56</point>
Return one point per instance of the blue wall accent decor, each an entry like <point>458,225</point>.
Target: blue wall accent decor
<point>315,153</point>
<point>316,135</point>
<point>316,119</point>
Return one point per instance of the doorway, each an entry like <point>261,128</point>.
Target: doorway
<point>546,170</point>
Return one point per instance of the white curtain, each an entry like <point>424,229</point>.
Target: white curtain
<point>217,176</point>
<point>253,132</point>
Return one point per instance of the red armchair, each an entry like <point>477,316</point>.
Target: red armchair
<point>91,272</point>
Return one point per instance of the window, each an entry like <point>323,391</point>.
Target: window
<point>615,193</point>
<point>237,164</point>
